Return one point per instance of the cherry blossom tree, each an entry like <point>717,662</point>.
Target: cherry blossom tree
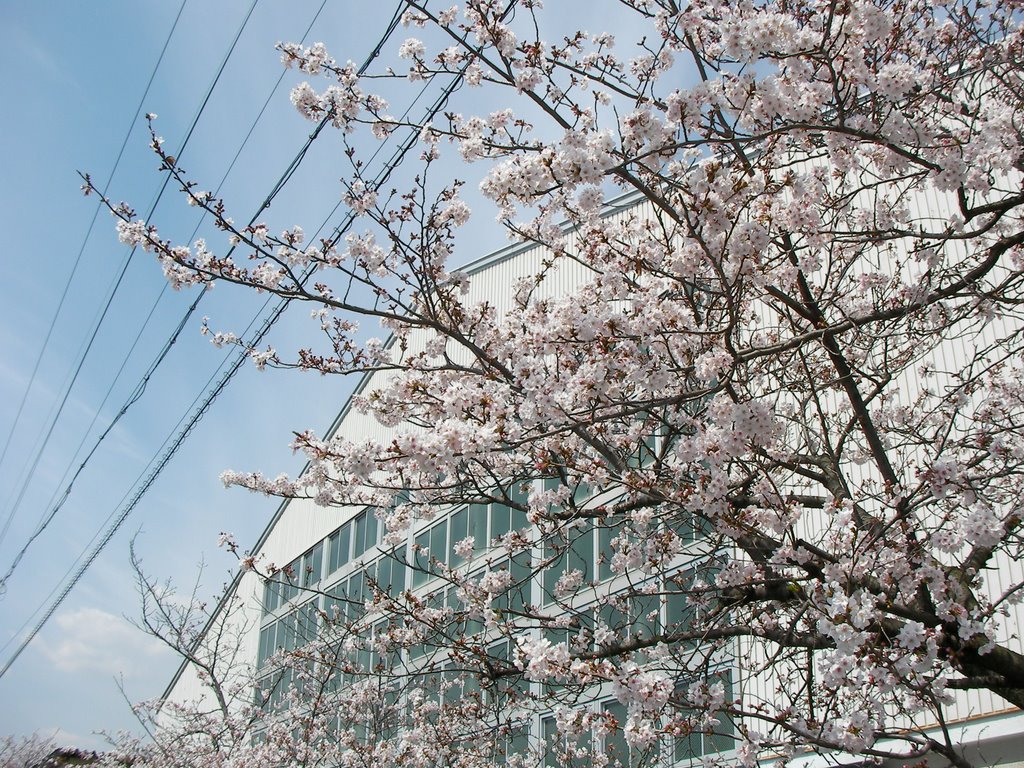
<point>341,699</point>
<point>24,752</point>
<point>783,393</point>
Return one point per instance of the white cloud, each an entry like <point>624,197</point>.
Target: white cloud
<point>91,639</point>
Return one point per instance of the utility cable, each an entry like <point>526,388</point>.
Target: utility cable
<point>222,383</point>
<point>110,299</point>
<point>81,251</point>
<point>140,388</point>
<point>56,503</point>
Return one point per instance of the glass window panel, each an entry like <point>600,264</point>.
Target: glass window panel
<point>288,624</point>
<point>387,574</point>
<point>578,555</point>
<point>459,531</point>
<point>285,589</point>
<point>557,635</point>
<point>478,525</point>
<point>422,559</point>
<point>679,611</point>
<point>439,542</point>
<point>356,595</point>
<point>264,651</point>
<point>360,534</point>
<point>645,452</point>
<point>276,636</point>
<point>334,679</point>
<point>297,576</point>
<point>383,575</point>
<point>397,585</point>
<point>371,530</point>
<point>688,747</point>
<point>270,596</point>
<point>299,618</point>
<point>344,544</point>
<point>314,564</point>
<point>615,741</point>
<point>332,552</point>
<point>613,618</point>
<point>305,626</point>
<point>312,619</point>
<point>581,493</point>
<point>519,592</point>
<point>582,551</point>
<point>682,524</point>
<point>333,606</point>
<point>519,744</point>
<point>499,520</point>
<point>452,687</point>
<point>549,733</point>
<point>553,571</point>
<point>723,738</point>
<point>364,659</point>
<point>605,534</point>
<point>519,520</point>
<point>644,610</point>
<point>519,493</point>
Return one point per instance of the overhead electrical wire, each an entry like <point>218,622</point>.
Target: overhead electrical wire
<point>56,503</point>
<point>282,181</point>
<point>270,321</point>
<point>236,365</point>
<point>41,447</point>
<point>81,251</point>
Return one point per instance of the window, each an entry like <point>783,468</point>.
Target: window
<point>353,539</point>
<point>584,544</point>
<point>616,747</point>
<point>345,601</point>
<point>468,522</point>
<point>517,596</point>
<point>272,597</point>
<point>559,751</point>
<point>503,697</point>
<point>571,549</point>
<point>685,606</point>
<point>480,522</point>
<point>312,565</point>
<point>444,598</point>
<point>294,580</point>
<point>645,454</point>
<point>340,547</point>
<point>390,574</point>
<point>268,643</point>
<point>364,532</point>
<point>719,738</point>
<point>421,558</point>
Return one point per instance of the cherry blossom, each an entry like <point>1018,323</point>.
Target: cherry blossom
<point>758,420</point>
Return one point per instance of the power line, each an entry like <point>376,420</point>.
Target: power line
<point>56,503</point>
<point>110,299</point>
<point>275,190</point>
<point>81,251</point>
<point>226,378</point>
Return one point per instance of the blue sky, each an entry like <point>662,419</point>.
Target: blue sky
<point>73,75</point>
